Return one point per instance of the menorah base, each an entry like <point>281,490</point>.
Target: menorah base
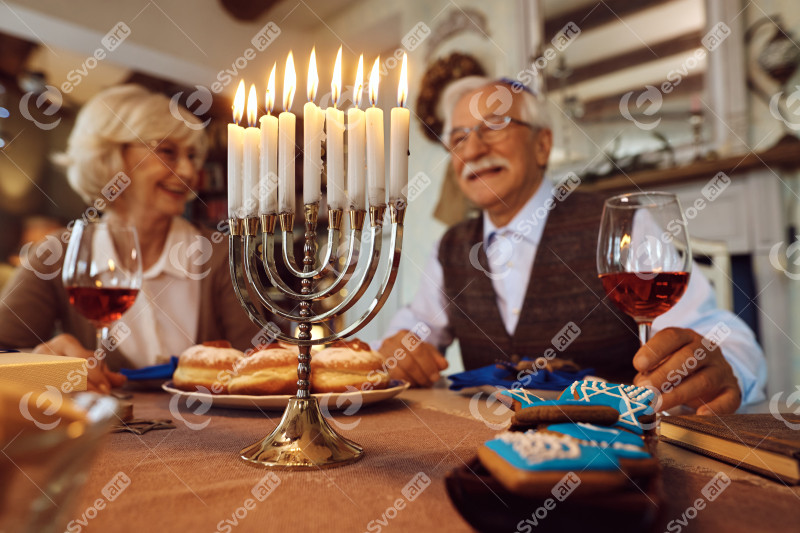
<point>302,440</point>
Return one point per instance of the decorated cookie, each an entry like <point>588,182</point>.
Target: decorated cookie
<point>516,399</point>
<point>566,412</point>
<point>596,402</point>
<point>622,443</point>
<point>532,410</point>
<point>535,464</point>
<point>629,448</point>
<point>633,403</point>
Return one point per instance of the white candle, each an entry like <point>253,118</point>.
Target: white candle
<point>356,132</point>
<point>252,147</point>
<point>235,154</point>
<point>356,140</point>
<point>286,125</point>
<point>268,179</point>
<point>398,154</point>
<point>334,119</point>
<point>268,188</point>
<point>376,176</point>
<point>313,119</point>
<point>335,140</point>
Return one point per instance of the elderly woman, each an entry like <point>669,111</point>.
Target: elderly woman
<point>186,294</point>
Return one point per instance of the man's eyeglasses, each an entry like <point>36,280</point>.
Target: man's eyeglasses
<point>170,153</point>
<point>491,130</point>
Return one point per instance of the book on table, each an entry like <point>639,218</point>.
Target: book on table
<point>762,443</point>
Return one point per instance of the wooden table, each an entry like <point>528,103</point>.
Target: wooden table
<point>190,478</point>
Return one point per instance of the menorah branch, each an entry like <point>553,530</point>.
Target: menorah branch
<point>270,266</point>
<point>235,254</point>
<point>244,260</point>
<point>356,291</point>
<point>331,254</point>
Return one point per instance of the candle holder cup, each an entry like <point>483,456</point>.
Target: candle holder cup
<point>303,439</point>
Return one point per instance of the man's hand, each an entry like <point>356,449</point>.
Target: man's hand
<point>676,362</point>
<point>98,379</point>
<point>414,361</point>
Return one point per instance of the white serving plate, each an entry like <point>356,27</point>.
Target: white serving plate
<point>333,401</point>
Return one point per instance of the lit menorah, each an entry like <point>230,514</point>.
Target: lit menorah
<point>303,438</point>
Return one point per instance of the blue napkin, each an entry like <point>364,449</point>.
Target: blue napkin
<point>507,376</point>
<point>164,371</point>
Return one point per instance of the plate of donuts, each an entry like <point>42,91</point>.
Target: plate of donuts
<point>344,374</point>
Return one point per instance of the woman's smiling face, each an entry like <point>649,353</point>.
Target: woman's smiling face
<point>163,176</point>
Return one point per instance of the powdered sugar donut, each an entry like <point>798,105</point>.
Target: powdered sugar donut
<point>206,366</point>
<point>346,365</point>
<point>271,370</point>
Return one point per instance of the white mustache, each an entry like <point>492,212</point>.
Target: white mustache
<point>483,163</point>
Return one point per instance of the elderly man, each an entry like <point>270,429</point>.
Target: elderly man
<point>508,283</point>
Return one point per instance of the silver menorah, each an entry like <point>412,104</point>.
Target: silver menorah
<point>303,438</point>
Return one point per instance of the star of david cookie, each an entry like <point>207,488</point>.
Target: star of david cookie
<point>631,402</point>
<point>542,464</point>
<point>516,399</point>
<point>597,402</point>
<point>531,410</point>
<point>629,448</point>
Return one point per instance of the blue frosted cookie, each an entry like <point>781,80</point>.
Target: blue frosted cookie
<point>631,402</point>
<point>516,399</point>
<point>627,447</point>
<point>596,402</point>
<point>540,464</point>
<point>620,443</point>
<point>532,410</point>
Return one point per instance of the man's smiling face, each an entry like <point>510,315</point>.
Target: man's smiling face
<point>498,177</point>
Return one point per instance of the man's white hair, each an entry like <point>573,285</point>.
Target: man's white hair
<point>533,110</point>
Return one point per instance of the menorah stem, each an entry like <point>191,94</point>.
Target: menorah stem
<point>309,255</point>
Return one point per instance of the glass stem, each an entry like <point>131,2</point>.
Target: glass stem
<point>100,351</point>
<point>644,332</point>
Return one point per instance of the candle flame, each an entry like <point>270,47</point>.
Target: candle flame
<point>336,81</point>
<point>358,88</point>
<point>625,241</point>
<point>252,107</point>
<point>402,87</point>
<point>238,103</point>
<point>270,98</point>
<point>374,79</point>
<point>289,83</point>
<point>313,78</point>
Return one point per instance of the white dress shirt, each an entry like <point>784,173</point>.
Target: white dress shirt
<point>511,251</point>
<point>163,320</point>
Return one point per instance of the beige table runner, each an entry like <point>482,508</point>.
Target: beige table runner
<point>192,480</point>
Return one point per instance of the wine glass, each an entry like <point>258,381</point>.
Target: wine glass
<point>643,255</point>
<point>102,273</point>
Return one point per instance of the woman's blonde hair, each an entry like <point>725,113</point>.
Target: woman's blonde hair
<point>115,117</point>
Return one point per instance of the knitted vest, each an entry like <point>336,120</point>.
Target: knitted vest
<point>565,311</point>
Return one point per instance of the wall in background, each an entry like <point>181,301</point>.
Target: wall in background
<point>765,129</point>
